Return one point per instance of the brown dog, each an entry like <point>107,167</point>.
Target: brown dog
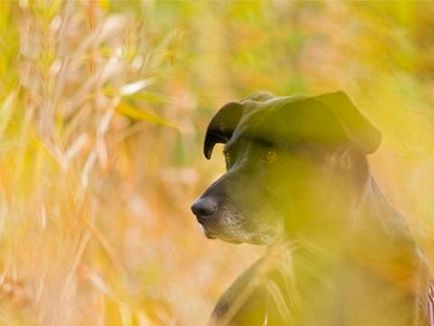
<point>298,180</point>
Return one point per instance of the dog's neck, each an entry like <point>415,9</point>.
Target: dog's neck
<point>373,213</point>
<point>363,224</point>
<point>377,245</point>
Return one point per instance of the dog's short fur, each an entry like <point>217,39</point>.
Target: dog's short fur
<point>298,179</point>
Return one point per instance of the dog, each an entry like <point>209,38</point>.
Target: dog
<point>298,180</point>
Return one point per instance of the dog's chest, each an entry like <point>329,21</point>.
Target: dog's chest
<point>321,292</point>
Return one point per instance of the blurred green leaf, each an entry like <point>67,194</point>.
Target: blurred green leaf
<point>141,114</point>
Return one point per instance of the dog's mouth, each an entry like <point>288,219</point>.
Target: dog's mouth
<point>255,239</point>
<point>210,234</point>
<point>213,235</point>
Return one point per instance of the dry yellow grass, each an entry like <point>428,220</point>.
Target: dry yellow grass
<point>95,224</point>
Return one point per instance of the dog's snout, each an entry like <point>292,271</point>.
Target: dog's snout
<point>203,208</point>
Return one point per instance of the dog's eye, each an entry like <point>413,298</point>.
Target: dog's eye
<point>270,156</point>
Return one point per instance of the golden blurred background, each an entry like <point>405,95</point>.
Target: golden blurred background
<point>103,108</point>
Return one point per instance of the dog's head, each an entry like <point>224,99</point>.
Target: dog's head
<point>290,161</point>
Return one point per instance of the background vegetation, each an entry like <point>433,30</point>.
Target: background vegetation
<point>103,106</point>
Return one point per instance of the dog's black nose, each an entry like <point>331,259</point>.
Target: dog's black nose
<point>203,208</point>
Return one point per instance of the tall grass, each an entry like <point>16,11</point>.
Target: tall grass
<point>84,189</point>
<point>60,131</point>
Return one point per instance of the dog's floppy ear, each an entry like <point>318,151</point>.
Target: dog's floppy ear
<point>222,126</point>
<point>359,130</point>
